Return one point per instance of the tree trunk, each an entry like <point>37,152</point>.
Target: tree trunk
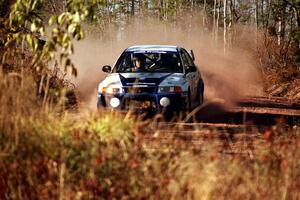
<point>214,18</point>
<point>214,13</point>
<point>204,14</point>
<point>262,13</point>
<point>281,24</point>
<point>230,30</point>
<point>268,13</point>
<point>132,7</point>
<point>230,14</point>
<point>297,16</point>
<point>283,14</point>
<point>225,25</point>
<point>218,18</point>
<point>279,31</point>
<point>161,9</point>
<point>256,14</point>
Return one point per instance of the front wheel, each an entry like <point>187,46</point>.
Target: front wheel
<point>189,105</point>
<point>201,99</point>
<point>201,93</point>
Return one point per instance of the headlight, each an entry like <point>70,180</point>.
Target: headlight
<point>169,89</point>
<point>112,90</point>
<point>114,102</point>
<point>165,101</point>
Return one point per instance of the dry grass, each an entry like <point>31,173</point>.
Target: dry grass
<point>46,156</point>
<point>280,70</point>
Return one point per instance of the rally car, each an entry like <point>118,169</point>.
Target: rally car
<point>152,78</point>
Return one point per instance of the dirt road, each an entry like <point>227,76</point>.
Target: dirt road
<point>242,128</point>
<point>252,110</point>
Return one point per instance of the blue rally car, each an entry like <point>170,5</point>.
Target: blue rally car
<point>152,78</point>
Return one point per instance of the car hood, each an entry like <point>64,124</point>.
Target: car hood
<point>142,79</point>
<point>149,79</point>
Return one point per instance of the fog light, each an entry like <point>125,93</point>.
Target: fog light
<point>164,101</point>
<point>114,102</point>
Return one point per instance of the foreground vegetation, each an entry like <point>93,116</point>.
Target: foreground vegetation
<point>44,155</point>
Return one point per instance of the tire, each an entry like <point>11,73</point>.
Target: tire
<point>201,99</point>
<point>189,105</point>
<point>201,93</point>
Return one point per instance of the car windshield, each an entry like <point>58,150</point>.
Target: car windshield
<point>167,62</point>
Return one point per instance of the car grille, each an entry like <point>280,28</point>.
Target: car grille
<point>139,103</point>
<point>139,90</point>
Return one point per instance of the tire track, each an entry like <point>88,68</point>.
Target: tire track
<point>239,129</point>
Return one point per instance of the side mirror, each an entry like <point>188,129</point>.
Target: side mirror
<point>192,69</point>
<point>106,68</point>
<point>192,54</point>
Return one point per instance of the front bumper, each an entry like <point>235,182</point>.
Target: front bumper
<point>144,102</point>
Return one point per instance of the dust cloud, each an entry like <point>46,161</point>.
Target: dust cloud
<point>226,75</point>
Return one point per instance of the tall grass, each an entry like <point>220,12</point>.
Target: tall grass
<point>44,155</point>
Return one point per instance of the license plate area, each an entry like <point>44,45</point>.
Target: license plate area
<point>143,104</point>
<point>138,90</point>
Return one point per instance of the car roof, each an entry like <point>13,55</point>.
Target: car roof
<point>169,48</point>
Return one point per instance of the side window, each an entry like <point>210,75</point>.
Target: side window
<point>124,63</point>
<point>184,60</point>
<point>189,59</point>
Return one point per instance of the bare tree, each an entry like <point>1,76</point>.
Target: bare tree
<point>218,18</point>
<point>204,14</point>
<point>214,13</point>
<point>215,28</point>
<point>256,14</point>
<point>132,7</point>
<point>268,11</point>
<point>225,25</point>
<point>262,12</point>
